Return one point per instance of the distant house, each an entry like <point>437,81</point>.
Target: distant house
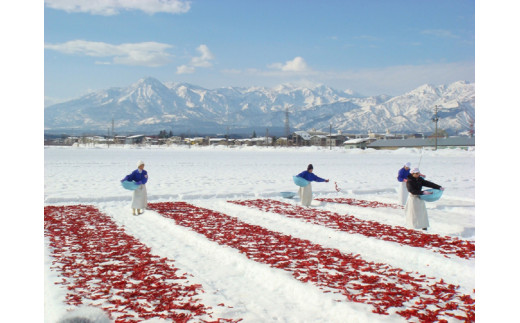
<point>262,141</point>
<point>336,139</point>
<point>151,140</point>
<point>137,139</point>
<point>318,140</point>
<point>99,140</point>
<point>282,141</point>
<point>119,139</point>
<point>300,138</point>
<point>360,143</point>
<point>194,141</point>
<point>218,141</point>
<point>174,140</point>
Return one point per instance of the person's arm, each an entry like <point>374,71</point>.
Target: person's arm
<point>317,178</point>
<point>400,175</point>
<point>431,184</point>
<point>145,177</point>
<point>129,177</point>
<point>302,174</point>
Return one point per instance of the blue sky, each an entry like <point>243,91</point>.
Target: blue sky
<point>372,47</point>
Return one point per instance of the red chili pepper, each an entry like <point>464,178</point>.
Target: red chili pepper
<point>103,259</point>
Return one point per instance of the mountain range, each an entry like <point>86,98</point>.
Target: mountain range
<point>149,106</point>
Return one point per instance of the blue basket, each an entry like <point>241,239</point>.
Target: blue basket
<point>130,185</point>
<point>288,195</point>
<point>432,197</point>
<point>300,181</point>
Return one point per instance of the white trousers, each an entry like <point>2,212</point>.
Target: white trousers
<point>403,193</point>
<point>305,194</point>
<point>415,211</point>
<point>140,198</point>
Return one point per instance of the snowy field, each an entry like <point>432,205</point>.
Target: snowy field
<point>235,286</point>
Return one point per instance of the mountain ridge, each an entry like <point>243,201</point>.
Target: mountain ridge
<point>149,105</point>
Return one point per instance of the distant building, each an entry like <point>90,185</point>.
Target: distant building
<point>174,140</point>
<point>194,141</point>
<point>360,143</point>
<point>218,141</point>
<point>450,142</point>
<point>119,139</point>
<point>300,138</point>
<point>318,140</point>
<point>136,139</point>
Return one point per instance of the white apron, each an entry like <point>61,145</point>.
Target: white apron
<point>139,198</point>
<point>415,211</point>
<point>403,193</point>
<point>306,195</point>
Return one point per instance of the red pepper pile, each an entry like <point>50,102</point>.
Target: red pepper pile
<point>103,266</point>
<point>387,289</point>
<point>362,203</point>
<point>348,223</point>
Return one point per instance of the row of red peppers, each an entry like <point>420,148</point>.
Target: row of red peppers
<point>361,203</point>
<point>103,266</point>
<point>387,289</point>
<point>348,223</point>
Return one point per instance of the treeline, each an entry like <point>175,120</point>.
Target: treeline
<point>165,134</point>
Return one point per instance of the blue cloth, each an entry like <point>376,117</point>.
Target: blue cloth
<point>403,174</point>
<point>300,181</point>
<point>130,185</point>
<point>138,177</point>
<point>310,176</point>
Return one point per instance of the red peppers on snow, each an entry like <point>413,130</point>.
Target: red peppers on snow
<point>362,203</point>
<point>103,266</point>
<point>387,289</point>
<point>348,223</point>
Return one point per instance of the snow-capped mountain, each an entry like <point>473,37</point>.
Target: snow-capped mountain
<point>149,106</point>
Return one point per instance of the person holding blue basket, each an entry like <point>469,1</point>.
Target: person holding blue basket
<point>138,177</point>
<point>305,192</point>
<point>415,209</point>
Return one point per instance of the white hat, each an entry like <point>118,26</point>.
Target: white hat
<point>415,170</point>
<point>139,163</point>
<point>408,164</point>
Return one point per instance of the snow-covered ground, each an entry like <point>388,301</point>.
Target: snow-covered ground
<point>209,177</point>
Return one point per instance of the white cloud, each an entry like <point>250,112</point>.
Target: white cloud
<point>396,80</point>
<point>298,64</point>
<point>185,69</point>
<point>114,7</point>
<point>204,60</point>
<point>392,80</point>
<point>441,33</point>
<point>150,54</point>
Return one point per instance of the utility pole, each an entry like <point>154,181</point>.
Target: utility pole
<point>227,136</point>
<point>436,120</point>
<point>287,127</point>
<point>330,137</point>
